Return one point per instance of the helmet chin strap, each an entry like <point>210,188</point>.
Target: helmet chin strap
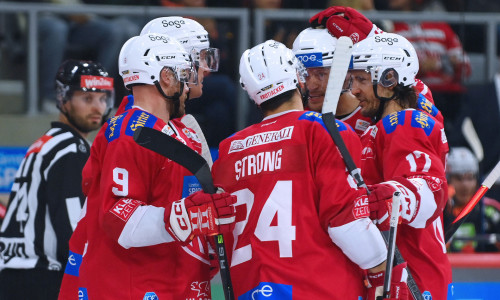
<point>383,102</point>
<point>303,95</point>
<point>175,99</point>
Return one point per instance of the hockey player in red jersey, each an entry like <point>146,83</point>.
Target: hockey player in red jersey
<point>405,150</point>
<point>345,21</point>
<point>142,243</point>
<point>194,39</point>
<point>298,210</point>
<point>315,48</point>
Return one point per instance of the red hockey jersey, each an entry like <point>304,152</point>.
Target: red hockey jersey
<point>291,185</point>
<point>412,144</point>
<point>126,176</point>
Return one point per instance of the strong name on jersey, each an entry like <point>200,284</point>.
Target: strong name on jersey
<point>291,186</point>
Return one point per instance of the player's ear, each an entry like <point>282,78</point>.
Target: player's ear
<point>167,76</point>
<point>64,106</point>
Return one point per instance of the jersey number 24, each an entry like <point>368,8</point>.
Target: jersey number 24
<point>279,203</point>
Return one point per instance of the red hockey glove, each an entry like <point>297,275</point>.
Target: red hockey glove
<point>380,201</point>
<point>399,288</point>
<point>201,214</point>
<point>343,21</point>
<point>212,256</point>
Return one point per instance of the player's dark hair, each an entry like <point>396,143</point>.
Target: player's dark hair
<point>277,101</point>
<point>406,96</point>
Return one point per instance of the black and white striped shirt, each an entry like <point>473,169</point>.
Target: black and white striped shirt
<point>45,202</point>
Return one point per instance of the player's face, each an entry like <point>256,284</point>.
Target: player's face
<point>362,88</point>
<point>196,90</point>
<point>171,85</point>
<point>182,104</point>
<point>465,186</point>
<point>86,109</point>
<point>316,83</point>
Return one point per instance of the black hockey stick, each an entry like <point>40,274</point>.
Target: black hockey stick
<point>341,60</point>
<point>171,148</point>
<point>485,186</point>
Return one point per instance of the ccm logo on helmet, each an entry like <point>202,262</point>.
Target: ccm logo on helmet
<point>389,41</point>
<point>176,23</point>
<point>393,58</point>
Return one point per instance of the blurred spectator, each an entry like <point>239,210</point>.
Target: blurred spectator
<point>443,63</point>
<point>473,235</point>
<point>79,36</point>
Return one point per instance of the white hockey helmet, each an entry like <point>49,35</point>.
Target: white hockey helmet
<point>461,161</point>
<point>143,57</point>
<point>315,47</point>
<point>192,36</point>
<point>268,70</point>
<point>381,53</point>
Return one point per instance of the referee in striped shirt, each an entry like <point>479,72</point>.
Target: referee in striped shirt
<point>46,198</point>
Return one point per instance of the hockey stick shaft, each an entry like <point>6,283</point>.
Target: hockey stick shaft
<point>171,148</point>
<point>190,122</point>
<point>338,72</point>
<point>485,186</point>
<point>396,200</point>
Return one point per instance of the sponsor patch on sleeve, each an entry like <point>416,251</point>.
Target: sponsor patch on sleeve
<point>391,121</point>
<point>421,120</point>
<point>316,117</point>
<point>124,208</point>
<point>114,127</point>
<point>361,208</point>
<point>140,119</point>
<point>425,105</point>
<point>73,265</point>
<point>268,291</point>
